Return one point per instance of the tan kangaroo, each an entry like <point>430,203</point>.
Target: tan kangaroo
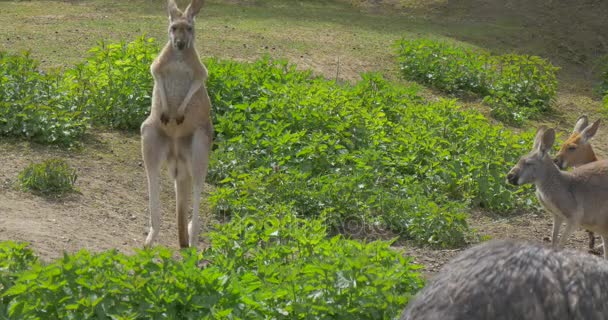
<point>578,198</point>
<point>179,129</point>
<point>577,151</point>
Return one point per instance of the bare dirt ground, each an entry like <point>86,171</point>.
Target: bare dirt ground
<point>110,211</point>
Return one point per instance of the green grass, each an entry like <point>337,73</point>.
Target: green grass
<point>312,34</point>
<point>50,177</point>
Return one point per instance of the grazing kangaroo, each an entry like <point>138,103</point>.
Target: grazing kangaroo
<point>577,151</point>
<point>578,198</point>
<point>179,129</point>
<point>504,280</point>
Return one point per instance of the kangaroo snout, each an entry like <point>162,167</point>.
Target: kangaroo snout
<point>180,44</point>
<point>512,178</point>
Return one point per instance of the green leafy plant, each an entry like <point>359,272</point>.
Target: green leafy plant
<point>268,265</point>
<point>15,258</point>
<point>517,87</point>
<point>50,177</point>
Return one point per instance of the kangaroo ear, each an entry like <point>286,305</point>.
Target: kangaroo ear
<point>539,137</point>
<point>581,123</point>
<point>193,9</point>
<point>173,10</point>
<point>547,141</point>
<point>590,131</point>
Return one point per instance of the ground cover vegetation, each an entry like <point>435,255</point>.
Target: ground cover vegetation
<point>371,157</point>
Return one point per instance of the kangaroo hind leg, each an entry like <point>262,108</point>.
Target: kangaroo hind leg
<point>183,187</point>
<point>155,147</point>
<point>201,147</point>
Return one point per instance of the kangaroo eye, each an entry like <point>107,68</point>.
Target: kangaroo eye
<point>173,28</point>
<point>571,148</point>
<point>189,29</point>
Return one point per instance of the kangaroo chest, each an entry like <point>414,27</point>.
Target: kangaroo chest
<point>549,203</point>
<point>177,80</point>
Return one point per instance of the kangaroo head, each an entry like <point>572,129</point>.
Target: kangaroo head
<point>577,150</point>
<point>181,24</point>
<point>532,166</point>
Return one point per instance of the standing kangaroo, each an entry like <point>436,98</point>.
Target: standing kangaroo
<point>179,128</point>
<point>578,198</point>
<point>577,151</point>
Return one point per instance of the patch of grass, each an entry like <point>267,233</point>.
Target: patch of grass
<point>53,177</point>
<point>312,34</point>
<point>516,87</point>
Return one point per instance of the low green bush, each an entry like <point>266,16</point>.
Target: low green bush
<point>50,177</point>
<point>33,106</point>
<point>113,85</point>
<point>269,265</point>
<point>516,87</point>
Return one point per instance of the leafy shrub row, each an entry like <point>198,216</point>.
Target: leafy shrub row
<point>368,157</point>
<point>516,87</point>
<point>112,87</point>
<point>50,177</point>
<point>270,265</point>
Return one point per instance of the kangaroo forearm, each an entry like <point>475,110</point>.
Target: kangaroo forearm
<point>162,95</point>
<point>196,85</point>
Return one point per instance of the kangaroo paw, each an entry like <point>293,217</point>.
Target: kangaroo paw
<point>164,118</point>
